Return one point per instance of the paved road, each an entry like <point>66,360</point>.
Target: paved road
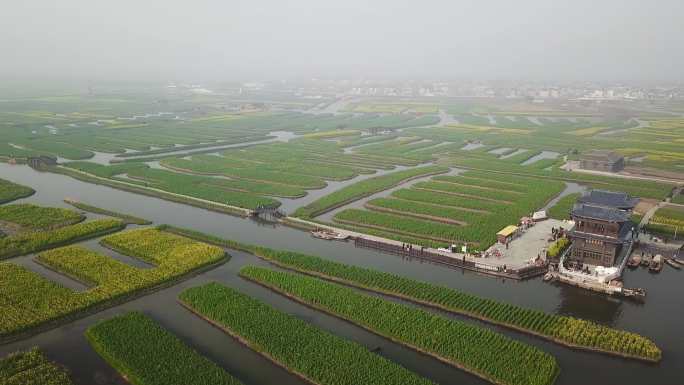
<point>649,214</point>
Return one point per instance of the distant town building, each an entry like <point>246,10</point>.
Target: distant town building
<point>602,160</point>
<point>602,227</point>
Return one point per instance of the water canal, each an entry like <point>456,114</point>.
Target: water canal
<point>659,318</point>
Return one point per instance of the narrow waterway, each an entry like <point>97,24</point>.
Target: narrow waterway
<point>359,204</point>
<point>659,318</point>
<point>274,136</point>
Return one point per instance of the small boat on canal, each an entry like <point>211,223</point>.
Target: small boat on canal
<point>328,235</point>
<point>656,264</point>
<point>673,264</point>
<point>677,260</point>
<point>634,261</point>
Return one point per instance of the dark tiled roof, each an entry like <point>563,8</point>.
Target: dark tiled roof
<point>608,199</point>
<point>602,155</point>
<point>599,212</point>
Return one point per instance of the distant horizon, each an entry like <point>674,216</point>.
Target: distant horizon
<point>82,40</point>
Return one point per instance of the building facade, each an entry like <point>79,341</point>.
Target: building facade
<point>602,160</point>
<point>602,227</point>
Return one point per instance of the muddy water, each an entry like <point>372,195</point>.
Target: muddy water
<point>659,318</point>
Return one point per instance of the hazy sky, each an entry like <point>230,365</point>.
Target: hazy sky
<point>623,40</point>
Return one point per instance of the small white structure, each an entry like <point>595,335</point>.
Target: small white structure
<point>539,216</point>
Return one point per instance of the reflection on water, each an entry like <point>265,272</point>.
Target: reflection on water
<point>576,302</point>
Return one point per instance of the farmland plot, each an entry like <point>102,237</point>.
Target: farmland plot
<point>30,301</point>
<point>453,209</point>
<point>318,356</point>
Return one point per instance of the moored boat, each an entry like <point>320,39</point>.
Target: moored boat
<point>328,235</point>
<point>634,261</point>
<point>656,264</point>
<point>673,264</point>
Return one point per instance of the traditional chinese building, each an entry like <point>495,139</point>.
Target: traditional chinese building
<point>602,227</point>
<point>602,160</point>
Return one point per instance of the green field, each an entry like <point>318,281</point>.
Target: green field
<point>364,188</point>
<point>567,331</point>
<point>147,354</point>
<point>11,191</point>
<point>31,368</point>
<point>561,210</point>
<point>469,209</point>
<point>31,242</point>
<point>668,221</point>
<point>477,350</point>
<point>31,301</point>
<point>318,356</point>
<point>128,219</point>
<point>34,218</point>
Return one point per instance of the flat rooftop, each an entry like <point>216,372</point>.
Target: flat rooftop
<point>522,249</point>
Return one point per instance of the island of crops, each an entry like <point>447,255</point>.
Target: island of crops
<point>469,209</point>
<point>32,302</point>
<point>317,356</point>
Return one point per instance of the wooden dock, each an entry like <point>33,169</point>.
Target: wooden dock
<point>453,262</point>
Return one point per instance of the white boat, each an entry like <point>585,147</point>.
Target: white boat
<point>328,235</point>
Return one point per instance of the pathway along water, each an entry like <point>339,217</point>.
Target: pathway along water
<point>659,318</point>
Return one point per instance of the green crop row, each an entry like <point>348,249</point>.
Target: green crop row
<point>231,192</point>
<point>294,157</point>
<point>128,219</point>
<point>425,210</point>
<point>242,193</point>
<point>472,191</point>
<point>586,334</point>
<point>364,188</point>
<point>561,210</point>
<point>31,368</point>
<point>169,252</point>
<point>256,173</point>
<point>479,233</point>
<point>483,181</point>
<point>456,201</point>
<point>32,217</point>
<point>502,169</point>
<point>320,357</point>
<point>30,301</point>
<point>667,221</point>
<point>669,215</point>
<point>485,353</point>
<point>31,242</point>
<point>241,139</point>
<point>147,354</point>
<point>105,171</point>
<point>11,191</point>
